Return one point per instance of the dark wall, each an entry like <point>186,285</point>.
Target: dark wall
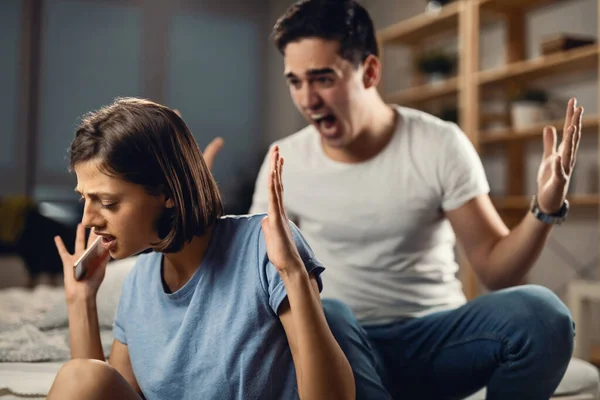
<point>62,58</point>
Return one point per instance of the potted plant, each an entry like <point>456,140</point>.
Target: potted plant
<point>528,107</point>
<point>436,65</point>
<point>436,5</point>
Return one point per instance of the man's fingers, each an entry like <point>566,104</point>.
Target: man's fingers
<point>574,142</point>
<point>567,152</point>
<point>559,169</point>
<point>549,141</point>
<point>211,151</point>
<point>569,115</point>
<point>578,124</point>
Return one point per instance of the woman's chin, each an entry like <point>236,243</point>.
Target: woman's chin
<point>120,253</point>
<point>117,253</point>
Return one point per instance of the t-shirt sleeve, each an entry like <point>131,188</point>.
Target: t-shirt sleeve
<point>270,278</point>
<point>119,326</point>
<point>461,173</point>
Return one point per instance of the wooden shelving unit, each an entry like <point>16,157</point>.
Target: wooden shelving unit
<point>465,18</point>
<point>532,132</point>
<point>569,61</point>
<point>508,6</point>
<point>520,203</point>
<point>422,93</point>
<point>413,30</point>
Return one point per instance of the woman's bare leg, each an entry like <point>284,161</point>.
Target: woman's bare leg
<point>91,380</point>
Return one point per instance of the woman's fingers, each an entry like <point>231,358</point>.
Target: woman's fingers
<point>80,239</point>
<point>273,201</point>
<point>62,252</point>
<point>280,186</point>
<point>91,238</point>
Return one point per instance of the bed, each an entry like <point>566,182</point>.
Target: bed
<point>34,341</point>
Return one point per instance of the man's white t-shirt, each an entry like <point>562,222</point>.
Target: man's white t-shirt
<point>378,226</point>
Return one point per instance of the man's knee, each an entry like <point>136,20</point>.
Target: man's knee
<point>543,318</point>
<point>536,303</point>
<point>339,315</point>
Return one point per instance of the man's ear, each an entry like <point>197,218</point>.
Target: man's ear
<point>371,71</point>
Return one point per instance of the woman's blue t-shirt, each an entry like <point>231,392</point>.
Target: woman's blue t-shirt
<point>219,336</point>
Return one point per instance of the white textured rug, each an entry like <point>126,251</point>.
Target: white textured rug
<point>34,339</point>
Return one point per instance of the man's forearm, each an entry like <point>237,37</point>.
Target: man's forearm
<point>324,370</point>
<point>512,256</point>
<point>84,332</point>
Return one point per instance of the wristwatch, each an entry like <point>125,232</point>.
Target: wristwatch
<point>553,219</point>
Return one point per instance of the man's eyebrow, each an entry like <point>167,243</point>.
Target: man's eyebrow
<point>312,72</point>
<point>320,71</point>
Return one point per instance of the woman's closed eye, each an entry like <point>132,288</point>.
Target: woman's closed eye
<point>106,206</point>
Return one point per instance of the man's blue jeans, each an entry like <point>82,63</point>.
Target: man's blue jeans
<point>517,342</point>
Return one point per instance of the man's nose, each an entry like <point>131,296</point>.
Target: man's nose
<point>310,98</point>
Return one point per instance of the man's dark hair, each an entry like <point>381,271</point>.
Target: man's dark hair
<point>149,144</point>
<point>345,21</point>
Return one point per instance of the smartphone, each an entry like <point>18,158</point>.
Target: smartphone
<point>92,253</point>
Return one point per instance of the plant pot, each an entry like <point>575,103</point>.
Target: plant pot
<point>436,78</point>
<point>435,5</point>
<point>527,113</point>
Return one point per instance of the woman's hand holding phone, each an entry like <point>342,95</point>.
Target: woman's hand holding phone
<point>87,286</point>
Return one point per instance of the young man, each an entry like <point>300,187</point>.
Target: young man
<point>381,191</point>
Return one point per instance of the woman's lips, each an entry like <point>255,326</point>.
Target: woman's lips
<point>108,242</point>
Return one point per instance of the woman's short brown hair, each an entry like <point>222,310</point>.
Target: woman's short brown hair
<point>148,144</point>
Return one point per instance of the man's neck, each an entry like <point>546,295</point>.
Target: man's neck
<point>380,125</point>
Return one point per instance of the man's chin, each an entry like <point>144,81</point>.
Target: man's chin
<point>336,142</point>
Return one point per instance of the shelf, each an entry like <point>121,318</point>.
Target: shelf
<point>585,57</point>
<point>516,203</point>
<point>535,131</point>
<point>506,6</point>
<point>414,30</point>
<point>419,94</point>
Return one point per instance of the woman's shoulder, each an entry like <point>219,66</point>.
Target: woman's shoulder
<point>239,233</point>
<point>242,223</point>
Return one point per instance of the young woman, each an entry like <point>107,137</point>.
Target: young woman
<point>223,307</point>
